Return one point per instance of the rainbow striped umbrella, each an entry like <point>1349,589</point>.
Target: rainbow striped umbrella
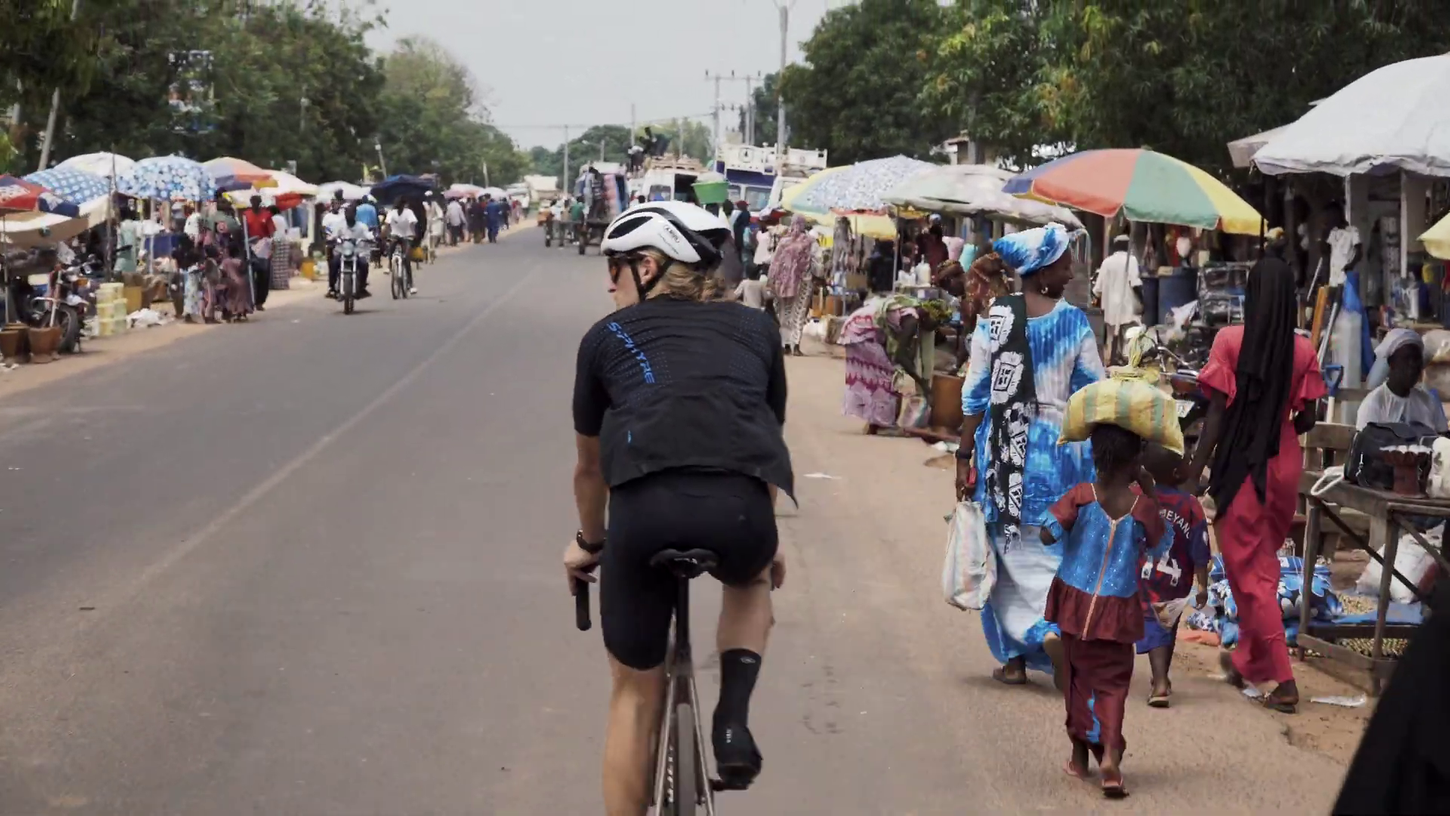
<point>1143,186</point>
<point>238,174</point>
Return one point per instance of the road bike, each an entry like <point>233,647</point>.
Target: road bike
<point>397,270</point>
<point>682,781</point>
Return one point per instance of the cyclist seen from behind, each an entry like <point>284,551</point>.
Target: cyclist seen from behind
<point>679,402</point>
<point>403,231</point>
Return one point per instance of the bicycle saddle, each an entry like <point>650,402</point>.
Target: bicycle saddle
<point>687,564</point>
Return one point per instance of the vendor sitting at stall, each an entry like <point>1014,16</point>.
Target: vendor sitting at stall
<point>1399,362</point>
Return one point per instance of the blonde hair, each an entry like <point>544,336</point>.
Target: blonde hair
<point>681,281</point>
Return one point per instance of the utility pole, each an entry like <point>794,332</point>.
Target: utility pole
<point>784,9</point>
<point>750,119</point>
<point>567,185</point>
<point>75,10</point>
<point>382,162</point>
<point>633,131</point>
<point>749,111</point>
<point>715,109</point>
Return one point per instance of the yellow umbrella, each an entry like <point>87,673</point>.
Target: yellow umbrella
<point>1437,239</point>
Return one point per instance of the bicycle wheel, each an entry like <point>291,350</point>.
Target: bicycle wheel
<point>395,274</point>
<point>686,792</point>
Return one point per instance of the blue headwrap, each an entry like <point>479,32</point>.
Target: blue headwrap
<point>1030,250</point>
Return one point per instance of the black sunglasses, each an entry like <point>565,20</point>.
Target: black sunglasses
<point>617,265</point>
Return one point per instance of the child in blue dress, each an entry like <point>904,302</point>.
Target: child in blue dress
<point>1103,527</point>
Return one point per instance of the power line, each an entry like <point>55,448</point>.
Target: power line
<point>561,126</point>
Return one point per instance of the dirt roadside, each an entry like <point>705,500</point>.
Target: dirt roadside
<point>921,496</point>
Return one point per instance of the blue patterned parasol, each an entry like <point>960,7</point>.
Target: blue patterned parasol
<point>73,185</point>
<point>858,188</point>
<point>170,178</point>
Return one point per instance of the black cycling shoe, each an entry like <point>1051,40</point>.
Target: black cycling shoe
<point>363,293</point>
<point>737,760</point>
<point>331,294</point>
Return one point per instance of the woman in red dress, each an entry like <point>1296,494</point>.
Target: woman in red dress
<point>1264,380</point>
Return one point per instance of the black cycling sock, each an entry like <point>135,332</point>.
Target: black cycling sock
<point>738,670</point>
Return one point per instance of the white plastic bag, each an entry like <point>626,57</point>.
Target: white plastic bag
<point>970,570</point>
<point>1411,561</point>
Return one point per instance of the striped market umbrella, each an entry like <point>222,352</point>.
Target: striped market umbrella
<point>1142,185</point>
<point>75,186</point>
<point>238,174</point>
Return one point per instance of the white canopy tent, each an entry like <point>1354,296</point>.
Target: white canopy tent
<point>1393,118</point>
<point>974,189</point>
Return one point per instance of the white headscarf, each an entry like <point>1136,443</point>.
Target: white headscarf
<point>1394,341</point>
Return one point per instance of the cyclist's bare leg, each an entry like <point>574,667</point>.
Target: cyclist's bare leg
<point>634,716</point>
<point>746,616</point>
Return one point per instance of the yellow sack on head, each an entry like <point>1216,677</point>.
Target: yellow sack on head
<point>1133,404</point>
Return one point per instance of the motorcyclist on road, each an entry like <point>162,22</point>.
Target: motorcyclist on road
<point>353,230</point>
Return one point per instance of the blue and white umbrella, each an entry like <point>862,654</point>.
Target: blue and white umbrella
<point>169,178</point>
<point>76,186</point>
<point>858,188</point>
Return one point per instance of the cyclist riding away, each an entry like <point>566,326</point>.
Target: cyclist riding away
<point>403,230</point>
<point>679,402</point>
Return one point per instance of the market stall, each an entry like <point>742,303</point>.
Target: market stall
<point>1395,519</point>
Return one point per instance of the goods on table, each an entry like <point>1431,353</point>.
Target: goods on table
<point>1133,404</point>
<point>1222,615</point>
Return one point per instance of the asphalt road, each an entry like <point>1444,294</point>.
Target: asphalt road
<point>310,566</point>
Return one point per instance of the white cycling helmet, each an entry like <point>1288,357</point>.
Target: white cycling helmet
<point>683,232</point>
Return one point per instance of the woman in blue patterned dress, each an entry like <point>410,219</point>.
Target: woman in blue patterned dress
<point>1028,356</point>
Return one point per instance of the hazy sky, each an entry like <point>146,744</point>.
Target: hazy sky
<point>583,62</point>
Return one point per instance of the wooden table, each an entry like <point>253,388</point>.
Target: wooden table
<point>1387,514</point>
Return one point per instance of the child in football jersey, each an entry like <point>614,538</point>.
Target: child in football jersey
<point>1170,577</point>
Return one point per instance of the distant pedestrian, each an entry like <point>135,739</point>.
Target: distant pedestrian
<point>456,222</point>
<point>792,271</point>
<point>1119,287</point>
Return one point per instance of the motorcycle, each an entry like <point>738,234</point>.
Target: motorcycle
<point>62,304</point>
<point>349,251</point>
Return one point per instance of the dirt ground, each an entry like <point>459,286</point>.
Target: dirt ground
<point>1330,730</point>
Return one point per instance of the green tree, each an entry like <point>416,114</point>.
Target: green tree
<point>432,119</point>
<point>865,66</point>
<point>988,77</point>
<point>1185,78</point>
<point>41,49</point>
<point>289,82</point>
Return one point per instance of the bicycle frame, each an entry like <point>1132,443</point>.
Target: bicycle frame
<point>680,688</point>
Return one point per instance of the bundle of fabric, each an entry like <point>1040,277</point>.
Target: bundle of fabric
<point>1221,615</point>
<point>1129,402</point>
